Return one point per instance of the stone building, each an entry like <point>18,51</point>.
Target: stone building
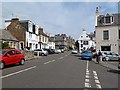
<point>6,36</point>
<point>25,31</point>
<point>108,32</point>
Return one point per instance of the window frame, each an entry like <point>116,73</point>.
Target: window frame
<point>106,32</point>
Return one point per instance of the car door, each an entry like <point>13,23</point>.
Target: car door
<point>110,56</point>
<point>18,56</point>
<point>9,57</point>
<point>115,56</point>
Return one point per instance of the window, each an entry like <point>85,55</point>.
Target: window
<point>81,45</point>
<point>11,52</point>
<point>33,29</point>
<point>107,19</point>
<point>85,42</point>
<point>30,35</point>
<point>81,36</point>
<point>119,34</point>
<point>106,35</point>
<point>105,48</point>
<point>17,52</point>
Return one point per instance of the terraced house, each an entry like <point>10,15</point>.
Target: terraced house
<point>25,31</point>
<point>43,38</point>
<point>6,36</point>
<point>108,32</point>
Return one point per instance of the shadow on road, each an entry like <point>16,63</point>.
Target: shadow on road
<point>76,55</point>
<point>114,71</point>
<point>10,66</point>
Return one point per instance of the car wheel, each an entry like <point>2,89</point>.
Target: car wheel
<point>90,59</point>
<point>22,62</point>
<point>2,65</point>
<point>42,54</point>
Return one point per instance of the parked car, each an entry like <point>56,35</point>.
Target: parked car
<point>8,57</point>
<point>74,52</point>
<point>40,52</point>
<point>110,56</point>
<point>53,51</point>
<point>50,51</point>
<point>57,51</point>
<point>119,64</point>
<point>87,55</point>
<point>62,50</point>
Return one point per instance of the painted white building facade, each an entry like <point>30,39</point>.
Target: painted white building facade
<point>108,32</point>
<point>85,42</point>
<point>32,37</point>
<point>51,45</point>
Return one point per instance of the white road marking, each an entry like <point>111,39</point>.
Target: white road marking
<point>87,80</point>
<point>95,77</point>
<point>53,60</point>
<point>61,58</point>
<point>87,73</point>
<point>49,61</point>
<point>96,80</point>
<point>87,66</point>
<point>66,55</point>
<point>18,72</point>
<point>87,77</point>
<point>87,85</point>
<point>98,86</point>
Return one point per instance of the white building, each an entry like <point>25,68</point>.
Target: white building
<point>43,39</point>
<point>108,32</point>
<point>86,41</point>
<point>25,31</point>
<point>32,36</point>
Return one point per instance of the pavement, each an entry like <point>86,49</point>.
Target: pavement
<point>108,64</point>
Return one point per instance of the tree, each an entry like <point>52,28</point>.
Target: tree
<point>77,45</point>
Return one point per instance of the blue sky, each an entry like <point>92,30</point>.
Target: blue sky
<point>59,17</point>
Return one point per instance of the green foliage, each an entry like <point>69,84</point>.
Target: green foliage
<point>5,45</point>
<point>77,45</point>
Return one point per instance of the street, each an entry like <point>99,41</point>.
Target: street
<point>64,70</point>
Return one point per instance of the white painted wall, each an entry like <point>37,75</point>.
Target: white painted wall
<point>113,38</point>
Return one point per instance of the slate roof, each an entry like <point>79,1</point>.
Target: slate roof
<point>6,35</point>
<point>115,16</point>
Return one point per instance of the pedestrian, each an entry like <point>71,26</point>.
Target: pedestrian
<point>98,56</point>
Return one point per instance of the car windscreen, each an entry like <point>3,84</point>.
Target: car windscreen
<point>2,52</point>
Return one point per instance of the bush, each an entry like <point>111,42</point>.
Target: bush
<point>5,45</point>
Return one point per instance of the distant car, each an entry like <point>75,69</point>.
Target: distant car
<point>87,55</point>
<point>110,56</point>
<point>74,52</point>
<point>57,51</point>
<point>40,52</point>
<point>50,51</point>
<point>8,57</point>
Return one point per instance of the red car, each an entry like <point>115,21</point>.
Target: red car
<point>8,57</point>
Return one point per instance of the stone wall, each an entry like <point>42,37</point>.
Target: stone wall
<point>28,54</point>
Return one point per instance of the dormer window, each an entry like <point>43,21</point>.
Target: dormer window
<point>107,19</point>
